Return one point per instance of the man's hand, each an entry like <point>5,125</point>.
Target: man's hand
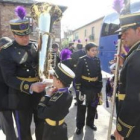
<point>38,87</point>
<point>81,96</point>
<point>118,136</point>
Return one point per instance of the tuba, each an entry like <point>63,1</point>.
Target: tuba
<point>46,15</point>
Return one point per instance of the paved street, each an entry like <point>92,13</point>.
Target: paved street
<point>88,134</point>
<point>101,123</point>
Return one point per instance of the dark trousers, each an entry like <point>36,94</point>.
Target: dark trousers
<point>25,119</point>
<point>6,121</point>
<point>81,112</point>
<point>55,132</point>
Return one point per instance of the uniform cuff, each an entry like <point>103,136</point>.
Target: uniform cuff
<point>44,100</point>
<point>78,86</point>
<point>124,129</point>
<point>25,87</point>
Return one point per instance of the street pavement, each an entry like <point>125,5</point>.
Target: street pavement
<point>102,124</point>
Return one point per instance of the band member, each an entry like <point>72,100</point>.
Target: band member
<point>6,120</point>
<point>65,57</point>
<point>88,84</point>
<point>71,47</point>
<point>77,54</point>
<point>18,64</point>
<point>54,106</point>
<point>56,54</point>
<point>128,119</point>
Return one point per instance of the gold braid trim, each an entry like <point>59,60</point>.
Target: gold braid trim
<point>127,126</point>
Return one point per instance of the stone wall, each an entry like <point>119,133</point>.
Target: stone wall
<point>7,14</point>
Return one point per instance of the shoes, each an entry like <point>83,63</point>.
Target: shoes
<point>78,131</point>
<point>93,127</point>
<point>112,137</point>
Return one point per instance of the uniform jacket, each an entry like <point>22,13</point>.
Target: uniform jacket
<point>75,57</point>
<point>88,77</point>
<point>68,62</point>
<point>90,69</point>
<point>17,64</point>
<point>3,94</point>
<point>56,107</point>
<point>128,121</point>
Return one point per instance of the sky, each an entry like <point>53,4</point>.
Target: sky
<point>81,12</point>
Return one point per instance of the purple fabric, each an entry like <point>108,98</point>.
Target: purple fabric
<point>126,49</point>
<point>63,89</point>
<point>18,125</point>
<point>23,26</point>
<point>118,5</point>
<point>95,103</point>
<point>20,12</point>
<point>65,54</point>
<point>79,41</point>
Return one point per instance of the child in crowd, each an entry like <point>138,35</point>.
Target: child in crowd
<point>54,106</point>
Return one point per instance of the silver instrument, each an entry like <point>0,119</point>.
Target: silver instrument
<point>46,15</point>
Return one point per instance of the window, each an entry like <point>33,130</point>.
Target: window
<point>92,31</point>
<point>85,32</point>
<point>91,37</point>
<point>110,24</point>
<point>76,36</point>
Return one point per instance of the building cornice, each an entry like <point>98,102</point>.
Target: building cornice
<point>15,3</point>
<point>88,24</point>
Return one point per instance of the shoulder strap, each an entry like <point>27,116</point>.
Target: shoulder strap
<point>5,46</point>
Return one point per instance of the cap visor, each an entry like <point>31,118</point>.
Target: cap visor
<point>119,30</point>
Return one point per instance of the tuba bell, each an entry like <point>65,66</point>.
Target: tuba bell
<point>46,15</point>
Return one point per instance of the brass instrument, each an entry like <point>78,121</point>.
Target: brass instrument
<point>46,15</point>
<point>54,59</point>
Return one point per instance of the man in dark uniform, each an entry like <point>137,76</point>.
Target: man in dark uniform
<point>88,85</point>
<point>6,119</point>
<point>55,54</point>
<point>128,119</point>
<point>18,64</point>
<point>71,47</point>
<point>54,106</point>
<point>65,56</point>
<point>77,54</point>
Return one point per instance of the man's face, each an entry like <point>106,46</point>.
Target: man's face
<point>131,36</point>
<point>22,40</point>
<point>55,49</point>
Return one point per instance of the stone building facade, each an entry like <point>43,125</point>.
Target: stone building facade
<point>87,33</point>
<point>7,13</point>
